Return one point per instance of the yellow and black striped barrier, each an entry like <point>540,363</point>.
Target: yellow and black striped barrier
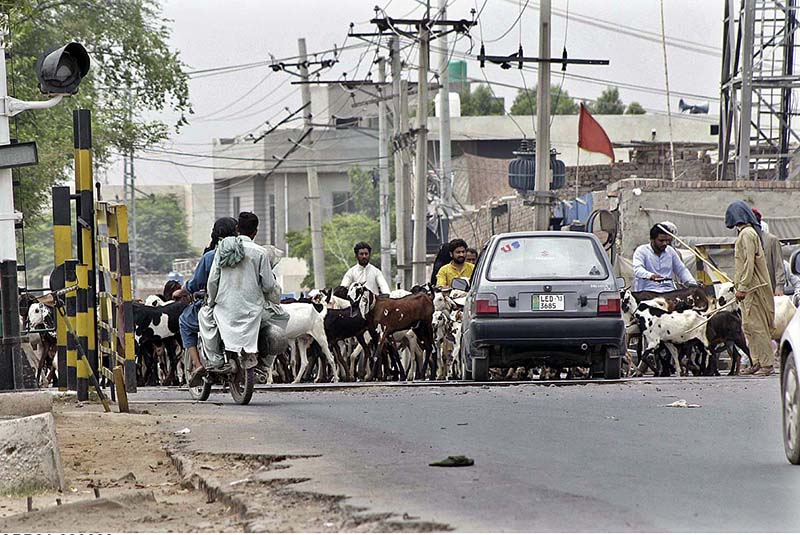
<point>62,251</point>
<point>71,279</point>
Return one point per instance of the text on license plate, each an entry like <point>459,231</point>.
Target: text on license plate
<point>548,302</point>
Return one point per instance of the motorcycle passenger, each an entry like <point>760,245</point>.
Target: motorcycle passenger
<point>243,299</point>
<point>188,322</point>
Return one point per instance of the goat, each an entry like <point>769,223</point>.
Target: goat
<point>725,327</point>
<point>411,312</point>
<point>306,321</point>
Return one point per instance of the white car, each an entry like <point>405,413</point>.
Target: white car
<point>790,380</point>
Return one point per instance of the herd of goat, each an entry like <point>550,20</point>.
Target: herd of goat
<point>352,334</point>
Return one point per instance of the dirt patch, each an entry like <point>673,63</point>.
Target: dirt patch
<point>126,473</point>
<point>121,458</point>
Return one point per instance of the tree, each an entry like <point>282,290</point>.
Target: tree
<point>339,235</point>
<point>161,226</point>
<point>127,41</point>
<point>634,108</point>
<point>560,102</point>
<point>608,103</point>
<point>481,101</point>
<point>364,191</point>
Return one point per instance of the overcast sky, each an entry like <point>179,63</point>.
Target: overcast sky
<point>215,33</point>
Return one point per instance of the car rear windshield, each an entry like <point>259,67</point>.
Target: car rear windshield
<point>543,257</point>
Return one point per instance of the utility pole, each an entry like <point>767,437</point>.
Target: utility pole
<point>11,355</point>
<point>421,174</point>
<point>542,212</point>
<point>317,252</point>
<point>400,176</point>
<point>444,124</point>
<point>406,199</point>
<point>748,29</point>
<point>383,167</point>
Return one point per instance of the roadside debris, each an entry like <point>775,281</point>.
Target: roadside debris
<point>682,404</point>
<point>454,460</point>
<point>184,431</point>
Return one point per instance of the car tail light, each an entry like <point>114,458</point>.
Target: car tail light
<point>485,304</point>
<point>608,303</point>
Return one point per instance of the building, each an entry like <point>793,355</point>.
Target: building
<point>196,200</point>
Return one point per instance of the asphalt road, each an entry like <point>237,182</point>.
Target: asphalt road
<point>606,457</point>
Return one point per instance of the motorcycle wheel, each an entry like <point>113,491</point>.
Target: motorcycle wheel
<point>242,385</point>
<point>198,393</point>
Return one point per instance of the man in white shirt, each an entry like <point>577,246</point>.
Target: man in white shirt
<point>655,264</point>
<point>364,272</point>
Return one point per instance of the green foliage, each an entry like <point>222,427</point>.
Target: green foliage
<point>339,235</point>
<point>127,41</point>
<point>343,231</point>
<point>560,102</point>
<point>38,248</point>
<point>161,227</point>
<point>481,101</point>
<point>608,103</point>
<point>634,108</point>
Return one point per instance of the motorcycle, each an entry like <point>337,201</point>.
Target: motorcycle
<point>238,373</point>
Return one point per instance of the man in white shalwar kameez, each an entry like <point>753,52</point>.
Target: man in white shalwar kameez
<point>242,296</point>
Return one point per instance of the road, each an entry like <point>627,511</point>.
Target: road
<point>598,457</point>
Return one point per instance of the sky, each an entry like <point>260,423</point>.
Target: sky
<point>210,34</point>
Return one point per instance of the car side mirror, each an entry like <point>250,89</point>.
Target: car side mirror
<point>794,263</point>
<point>620,283</point>
<point>460,284</point>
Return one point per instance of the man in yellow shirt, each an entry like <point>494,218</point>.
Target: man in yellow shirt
<point>458,266</point>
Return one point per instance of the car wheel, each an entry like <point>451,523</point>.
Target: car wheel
<point>613,366</point>
<point>466,375</point>
<point>480,369</point>
<point>791,410</point>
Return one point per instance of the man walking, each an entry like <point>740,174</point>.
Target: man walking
<point>458,267</point>
<point>365,273</point>
<point>773,255</point>
<point>655,264</point>
<point>753,288</point>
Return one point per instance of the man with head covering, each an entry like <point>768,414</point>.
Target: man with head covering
<point>773,256</point>
<point>752,286</point>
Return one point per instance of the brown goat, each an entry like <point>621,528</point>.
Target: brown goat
<point>392,315</point>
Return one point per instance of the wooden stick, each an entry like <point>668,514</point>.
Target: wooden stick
<point>697,254</point>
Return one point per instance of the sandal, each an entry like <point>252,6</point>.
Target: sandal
<point>197,377</point>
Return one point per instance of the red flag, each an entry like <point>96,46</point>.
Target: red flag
<point>591,136</point>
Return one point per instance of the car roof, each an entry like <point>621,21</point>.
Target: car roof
<point>548,233</point>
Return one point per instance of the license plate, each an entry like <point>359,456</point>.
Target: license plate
<point>548,302</point>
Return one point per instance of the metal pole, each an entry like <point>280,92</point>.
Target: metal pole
<point>542,212</point>
<point>134,237</point>
<point>400,183</point>
<point>317,252</point>
<point>444,118</point>
<point>420,180</point>
<point>383,167</point>
<point>743,144</point>
<point>11,355</point>
<point>406,174</point>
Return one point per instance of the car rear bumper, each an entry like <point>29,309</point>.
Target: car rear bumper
<point>577,337</point>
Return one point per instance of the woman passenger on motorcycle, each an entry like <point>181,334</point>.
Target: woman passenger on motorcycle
<point>189,326</point>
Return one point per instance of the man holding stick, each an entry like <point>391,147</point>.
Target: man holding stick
<point>753,287</point>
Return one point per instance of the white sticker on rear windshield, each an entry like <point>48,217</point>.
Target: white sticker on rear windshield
<point>545,255</point>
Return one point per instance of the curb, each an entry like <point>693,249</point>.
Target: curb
<point>210,486</point>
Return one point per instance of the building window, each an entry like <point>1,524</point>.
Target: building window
<point>343,202</point>
<point>237,202</point>
<point>272,219</point>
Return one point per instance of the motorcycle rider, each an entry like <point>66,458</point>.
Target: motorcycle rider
<point>243,299</point>
<point>188,322</point>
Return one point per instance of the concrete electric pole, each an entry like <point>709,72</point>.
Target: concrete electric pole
<point>383,167</point>
<point>421,173</point>
<point>542,212</point>
<point>317,251</point>
<point>444,122</point>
